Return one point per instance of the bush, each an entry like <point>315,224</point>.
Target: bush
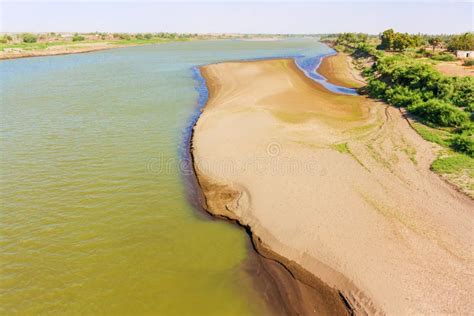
<point>148,36</point>
<point>463,143</point>
<point>429,84</point>
<point>439,113</point>
<point>5,39</point>
<point>77,38</point>
<point>376,88</point>
<point>122,36</point>
<point>468,62</point>
<point>29,38</point>
<point>444,57</point>
<point>402,96</point>
<point>463,92</point>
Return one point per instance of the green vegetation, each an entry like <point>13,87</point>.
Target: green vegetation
<point>444,57</point>
<point>405,82</point>
<point>29,38</point>
<point>461,42</point>
<point>392,40</point>
<point>5,39</point>
<point>454,163</point>
<point>77,38</point>
<point>435,41</point>
<point>342,148</point>
<point>435,99</point>
<point>31,42</point>
<point>434,135</point>
<point>468,62</point>
<point>442,106</point>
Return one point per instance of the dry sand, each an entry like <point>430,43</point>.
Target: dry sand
<point>338,185</point>
<point>455,68</point>
<point>339,70</point>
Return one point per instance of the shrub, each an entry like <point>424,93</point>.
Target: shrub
<point>148,36</point>
<point>401,96</point>
<point>376,88</point>
<point>444,57</point>
<point>439,113</point>
<point>468,62</point>
<point>29,38</point>
<point>463,92</point>
<point>463,143</point>
<point>5,39</point>
<point>77,38</point>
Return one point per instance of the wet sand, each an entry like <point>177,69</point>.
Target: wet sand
<point>336,188</point>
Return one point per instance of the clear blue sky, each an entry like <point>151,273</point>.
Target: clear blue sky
<point>442,16</point>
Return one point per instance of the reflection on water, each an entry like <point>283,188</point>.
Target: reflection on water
<point>94,214</point>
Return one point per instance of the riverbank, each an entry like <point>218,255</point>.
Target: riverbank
<point>59,50</point>
<point>53,49</point>
<point>338,185</point>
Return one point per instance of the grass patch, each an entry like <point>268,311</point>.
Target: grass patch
<point>342,148</point>
<point>456,167</point>
<point>454,163</point>
<point>434,135</point>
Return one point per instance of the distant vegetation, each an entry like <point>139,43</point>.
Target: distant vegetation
<point>391,40</point>
<point>461,42</point>
<point>29,38</point>
<point>29,41</point>
<point>77,38</point>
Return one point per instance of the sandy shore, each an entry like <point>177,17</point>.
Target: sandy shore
<point>60,50</point>
<point>63,50</point>
<point>338,69</point>
<point>337,186</point>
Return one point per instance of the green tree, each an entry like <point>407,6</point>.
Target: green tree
<point>392,40</point>
<point>461,42</point>
<point>435,41</point>
<point>387,38</point>
<point>402,41</point>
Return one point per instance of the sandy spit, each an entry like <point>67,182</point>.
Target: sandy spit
<point>340,71</point>
<point>61,50</point>
<point>337,186</point>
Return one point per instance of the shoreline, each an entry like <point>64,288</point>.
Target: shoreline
<point>231,201</point>
<point>45,53</point>
<point>70,49</point>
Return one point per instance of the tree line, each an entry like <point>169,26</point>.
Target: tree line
<point>397,41</point>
